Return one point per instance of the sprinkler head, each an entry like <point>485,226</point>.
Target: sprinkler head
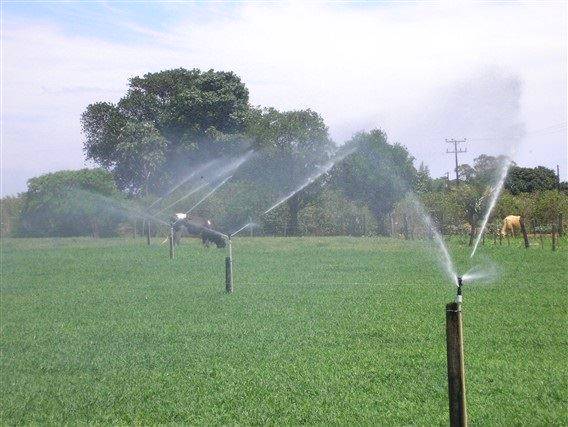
<point>459,296</point>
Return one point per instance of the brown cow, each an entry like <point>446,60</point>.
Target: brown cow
<point>510,223</point>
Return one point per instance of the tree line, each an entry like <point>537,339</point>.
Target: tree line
<point>171,122</point>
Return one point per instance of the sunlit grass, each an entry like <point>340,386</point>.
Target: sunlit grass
<point>319,330</point>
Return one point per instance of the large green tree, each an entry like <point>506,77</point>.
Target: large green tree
<point>183,117</point>
<point>70,203</point>
<point>377,174</point>
<point>293,146</point>
<point>528,180</point>
<point>485,171</point>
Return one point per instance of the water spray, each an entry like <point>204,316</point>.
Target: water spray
<point>454,334</point>
<point>324,169</point>
<point>209,194</point>
<point>248,224</point>
<point>184,180</point>
<point>185,196</point>
<point>231,167</point>
<point>496,191</point>
<point>312,178</point>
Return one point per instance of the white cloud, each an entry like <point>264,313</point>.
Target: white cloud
<point>416,70</point>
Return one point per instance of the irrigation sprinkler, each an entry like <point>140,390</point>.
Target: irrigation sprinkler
<point>171,240</point>
<point>229,268</point>
<point>148,232</point>
<point>456,368</point>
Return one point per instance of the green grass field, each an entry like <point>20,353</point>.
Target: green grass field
<point>319,330</point>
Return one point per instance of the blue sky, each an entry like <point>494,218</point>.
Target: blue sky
<point>491,72</point>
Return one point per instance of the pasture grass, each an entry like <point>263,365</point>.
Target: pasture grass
<point>319,330</point>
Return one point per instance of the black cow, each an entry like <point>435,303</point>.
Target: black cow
<point>198,227</point>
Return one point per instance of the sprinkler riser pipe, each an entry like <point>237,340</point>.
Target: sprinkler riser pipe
<point>456,365</point>
<point>229,268</point>
<point>171,239</point>
<point>459,295</point>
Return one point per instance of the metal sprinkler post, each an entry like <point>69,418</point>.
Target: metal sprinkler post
<point>229,268</point>
<point>171,240</point>
<point>456,368</point>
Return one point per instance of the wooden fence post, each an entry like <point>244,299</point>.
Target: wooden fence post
<point>553,237</point>
<point>456,368</point>
<point>524,231</point>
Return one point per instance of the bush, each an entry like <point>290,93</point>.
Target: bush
<point>71,203</point>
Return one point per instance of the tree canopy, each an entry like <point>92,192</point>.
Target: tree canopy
<point>291,145</point>
<point>68,203</point>
<point>377,173</point>
<point>182,117</point>
<point>528,180</point>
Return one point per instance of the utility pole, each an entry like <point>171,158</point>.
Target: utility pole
<point>457,150</point>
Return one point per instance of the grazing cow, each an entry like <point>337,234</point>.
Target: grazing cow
<point>196,226</point>
<point>510,223</point>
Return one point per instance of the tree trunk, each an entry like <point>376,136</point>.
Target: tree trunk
<point>405,229</point>
<point>94,229</point>
<point>293,228</point>
<point>471,233</point>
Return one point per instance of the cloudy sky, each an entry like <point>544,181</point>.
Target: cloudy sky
<point>492,72</point>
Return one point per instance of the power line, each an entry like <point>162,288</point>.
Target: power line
<point>548,130</point>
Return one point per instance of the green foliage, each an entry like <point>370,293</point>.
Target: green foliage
<point>67,203</point>
<point>182,116</point>
<point>423,180</point>
<point>472,201</point>
<point>378,174</point>
<point>507,205</point>
<point>446,210</point>
<point>292,145</point>
<point>485,171</point>
<point>139,154</point>
<point>548,205</point>
<point>528,180</point>
<point>327,331</point>
<point>10,213</point>
<point>331,214</point>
